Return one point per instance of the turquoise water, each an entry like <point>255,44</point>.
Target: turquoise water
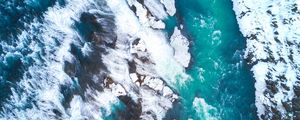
<point>220,77</point>
<point>221,81</point>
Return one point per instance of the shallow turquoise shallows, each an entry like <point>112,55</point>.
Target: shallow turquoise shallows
<point>222,86</point>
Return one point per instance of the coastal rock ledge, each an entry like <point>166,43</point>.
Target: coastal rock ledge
<point>273,49</point>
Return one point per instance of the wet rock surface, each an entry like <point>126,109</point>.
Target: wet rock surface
<point>88,66</point>
<point>271,29</point>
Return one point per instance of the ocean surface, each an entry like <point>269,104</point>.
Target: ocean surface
<point>221,85</point>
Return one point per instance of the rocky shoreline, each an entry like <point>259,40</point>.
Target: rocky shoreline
<point>107,53</point>
<point>273,49</point>
<point>148,53</point>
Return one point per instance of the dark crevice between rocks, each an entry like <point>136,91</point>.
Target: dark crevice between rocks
<point>132,109</point>
<point>269,12</point>
<point>149,14</point>
<point>136,41</point>
<point>141,1</point>
<point>296,107</point>
<point>295,8</point>
<point>87,70</point>
<point>287,105</point>
<point>249,58</point>
<point>277,40</point>
<point>296,115</point>
<point>289,43</point>
<point>108,81</point>
<point>132,69</point>
<point>252,37</point>
<point>133,8</point>
<point>68,92</point>
<point>296,104</point>
<point>176,112</point>
<point>152,114</point>
<point>285,87</point>
<point>276,114</point>
<point>242,14</point>
<point>272,86</point>
<point>276,33</point>
<point>287,21</point>
<point>58,114</point>
<point>274,24</point>
<point>97,29</point>
<point>296,89</point>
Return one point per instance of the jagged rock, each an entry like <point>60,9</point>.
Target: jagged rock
<point>297,115</point>
<point>297,90</point>
<point>133,109</point>
<point>296,104</point>
<point>284,86</point>
<point>287,105</point>
<point>271,36</point>
<point>272,86</point>
<point>181,46</point>
<point>70,68</point>
<point>277,114</point>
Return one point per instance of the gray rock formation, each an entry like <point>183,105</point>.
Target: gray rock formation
<point>272,29</point>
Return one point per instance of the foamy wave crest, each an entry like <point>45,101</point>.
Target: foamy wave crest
<point>98,60</point>
<point>41,93</point>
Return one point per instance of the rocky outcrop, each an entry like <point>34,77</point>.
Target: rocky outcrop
<point>272,30</point>
<point>142,54</point>
<point>97,60</point>
<point>181,47</point>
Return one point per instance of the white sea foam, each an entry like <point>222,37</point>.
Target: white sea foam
<point>203,109</point>
<point>45,78</point>
<point>260,70</point>
<point>153,45</point>
<point>155,41</point>
<point>153,103</point>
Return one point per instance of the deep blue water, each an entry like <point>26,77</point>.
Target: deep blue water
<point>15,16</point>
